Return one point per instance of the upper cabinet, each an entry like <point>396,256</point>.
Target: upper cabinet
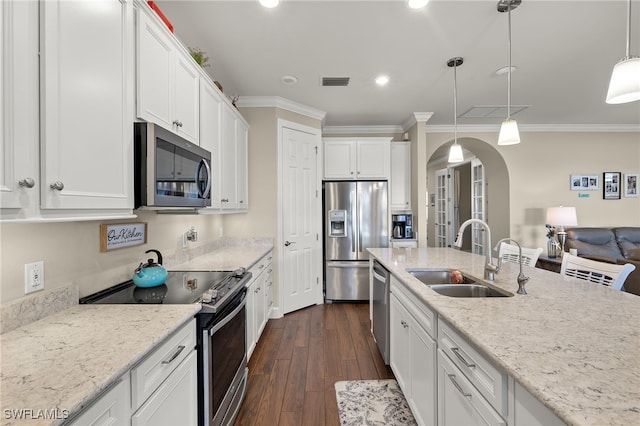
<point>77,163</point>
<point>400,182</point>
<point>168,81</point>
<point>361,158</point>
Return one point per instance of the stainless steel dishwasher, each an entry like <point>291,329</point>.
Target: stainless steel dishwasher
<point>380,302</point>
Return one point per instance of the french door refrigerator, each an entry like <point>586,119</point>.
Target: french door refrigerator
<point>356,217</point>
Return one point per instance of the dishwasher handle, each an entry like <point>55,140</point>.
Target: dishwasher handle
<point>379,272</point>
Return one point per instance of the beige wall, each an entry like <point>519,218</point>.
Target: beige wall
<point>538,172</point>
<point>71,250</point>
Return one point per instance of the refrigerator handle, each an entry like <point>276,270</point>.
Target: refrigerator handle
<point>353,222</point>
<point>360,216</point>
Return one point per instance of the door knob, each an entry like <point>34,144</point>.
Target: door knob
<point>288,243</point>
<point>59,186</point>
<point>27,182</point>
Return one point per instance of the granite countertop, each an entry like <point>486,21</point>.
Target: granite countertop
<point>572,344</point>
<point>63,361</point>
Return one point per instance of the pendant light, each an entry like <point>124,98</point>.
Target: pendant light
<point>509,134</point>
<point>269,3</point>
<point>455,152</point>
<point>625,79</point>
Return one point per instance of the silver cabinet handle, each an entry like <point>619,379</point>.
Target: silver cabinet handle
<point>404,323</point>
<point>58,186</point>
<point>256,290</point>
<point>288,243</point>
<point>174,356</point>
<point>452,377</point>
<point>177,123</point>
<point>27,182</point>
<point>456,351</point>
<point>224,200</point>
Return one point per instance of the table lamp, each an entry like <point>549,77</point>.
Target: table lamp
<point>561,217</point>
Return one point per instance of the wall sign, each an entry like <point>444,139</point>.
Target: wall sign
<point>122,235</point>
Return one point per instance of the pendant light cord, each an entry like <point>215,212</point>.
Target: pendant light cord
<point>628,55</point>
<point>455,104</point>
<point>509,75</point>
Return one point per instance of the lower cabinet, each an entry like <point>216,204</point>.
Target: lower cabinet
<point>259,300</point>
<point>162,389</point>
<point>413,359</point>
<point>459,402</point>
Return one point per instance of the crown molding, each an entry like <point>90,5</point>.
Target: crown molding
<point>282,103</point>
<point>366,130</point>
<point>530,128</point>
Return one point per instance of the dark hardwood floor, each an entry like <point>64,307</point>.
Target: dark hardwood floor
<point>299,358</point>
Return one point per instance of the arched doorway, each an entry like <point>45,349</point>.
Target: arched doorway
<point>491,196</point>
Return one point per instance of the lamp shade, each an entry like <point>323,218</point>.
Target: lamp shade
<point>562,216</point>
<point>625,81</point>
<point>455,153</point>
<point>509,134</point>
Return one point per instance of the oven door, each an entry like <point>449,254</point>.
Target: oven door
<point>224,362</point>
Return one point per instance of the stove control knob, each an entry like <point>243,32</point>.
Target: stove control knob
<point>214,293</point>
<point>206,298</point>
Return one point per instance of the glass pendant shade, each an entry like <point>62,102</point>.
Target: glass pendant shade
<point>625,81</point>
<point>269,3</point>
<point>455,153</point>
<point>509,134</point>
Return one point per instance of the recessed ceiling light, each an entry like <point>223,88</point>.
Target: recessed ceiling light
<point>417,4</point>
<point>288,80</point>
<point>505,70</point>
<point>382,80</point>
<point>269,3</point>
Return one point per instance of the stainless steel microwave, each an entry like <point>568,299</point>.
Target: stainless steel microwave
<point>170,172</point>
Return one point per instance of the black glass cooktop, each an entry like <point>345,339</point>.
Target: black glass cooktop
<point>180,288</point>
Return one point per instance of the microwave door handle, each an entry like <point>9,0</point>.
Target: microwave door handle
<point>205,193</point>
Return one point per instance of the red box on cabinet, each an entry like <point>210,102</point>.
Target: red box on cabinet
<point>155,7</point>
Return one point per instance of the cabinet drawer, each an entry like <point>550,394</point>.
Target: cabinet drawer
<point>490,382</point>
<point>261,265</point>
<point>155,368</point>
<point>424,315</point>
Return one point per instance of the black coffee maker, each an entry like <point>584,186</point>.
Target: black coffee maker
<point>401,226</point>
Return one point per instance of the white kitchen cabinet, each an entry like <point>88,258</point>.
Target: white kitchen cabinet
<point>404,243</point>
<point>66,127</point>
<point>211,104</point>
<point>113,407</point>
<point>175,402</point>
<point>234,169</point>
<point>459,402</point>
<point>413,353</point>
<point>530,411</point>
<point>362,158</point>
<point>400,181</point>
<point>168,81</point>
<point>258,303</point>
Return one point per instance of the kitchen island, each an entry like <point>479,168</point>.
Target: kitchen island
<point>573,345</point>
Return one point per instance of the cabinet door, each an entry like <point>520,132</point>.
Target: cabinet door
<point>228,159</point>
<point>260,292</point>
<point>242,168</point>
<point>19,103</point>
<point>373,159</point>
<point>339,159</point>
<point>185,103</point>
<point>111,408</point>
<point>86,101</point>
<point>251,318</point>
<point>399,335</point>
<point>400,181</point>
<point>423,352</point>
<point>175,402</point>
<point>154,68</point>
<point>459,403</point>
<point>210,130</point>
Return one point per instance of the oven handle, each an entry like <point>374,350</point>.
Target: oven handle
<point>229,317</point>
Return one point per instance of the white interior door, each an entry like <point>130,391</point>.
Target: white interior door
<point>478,207</point>
<point>442,208</point>
<point>300,225</point>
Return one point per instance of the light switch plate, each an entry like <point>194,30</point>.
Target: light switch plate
<point>33,277</point>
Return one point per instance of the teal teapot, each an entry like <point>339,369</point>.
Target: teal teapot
<point>150,274</point>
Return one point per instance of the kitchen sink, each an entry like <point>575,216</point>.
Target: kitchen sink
<point>437,276</point>
<point>439,280</point>
<point>468,290</point>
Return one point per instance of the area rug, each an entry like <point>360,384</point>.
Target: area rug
<point>372,402</point>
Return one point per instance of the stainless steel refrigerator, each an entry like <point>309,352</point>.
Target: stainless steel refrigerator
<point>356,217</point>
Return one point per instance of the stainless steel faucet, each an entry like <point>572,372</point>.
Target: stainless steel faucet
<point>522,279</point>
<point>489,267</point>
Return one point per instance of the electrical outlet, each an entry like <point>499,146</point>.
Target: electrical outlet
<point>33,277</point>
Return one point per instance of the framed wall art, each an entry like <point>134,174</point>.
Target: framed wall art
<point>611,185</point>
<point>122,235</point>
<point>630,184</point>
<point>584,183</point>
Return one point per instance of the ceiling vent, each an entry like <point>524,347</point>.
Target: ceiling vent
<point>492,111</point>
<point>335,81</point>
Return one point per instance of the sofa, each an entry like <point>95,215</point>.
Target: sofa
<point>613,245</point>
